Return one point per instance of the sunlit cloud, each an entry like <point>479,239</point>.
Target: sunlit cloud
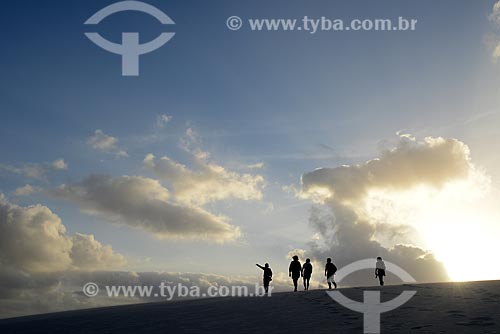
<point>144,203</point>
<point>366,218</point>
<point>106,143</point>
<point>206,181</point>
<point>34,239</point>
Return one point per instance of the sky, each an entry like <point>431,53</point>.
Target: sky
<point>227,149</point>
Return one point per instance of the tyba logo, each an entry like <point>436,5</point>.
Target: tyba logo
<point>371,307</point>
<point>130,49</point>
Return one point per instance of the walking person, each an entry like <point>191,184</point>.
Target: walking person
<point>330,270</point>
<point>307,270</point>
<point>294,271</point>
<point>268,275</point>
<point>380,270</point>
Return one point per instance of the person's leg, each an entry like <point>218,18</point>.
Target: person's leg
<point>308,283</point>
<point>329,285</point>
<point>304,280</point>
<point>334,284</point>
<point>295,284</point>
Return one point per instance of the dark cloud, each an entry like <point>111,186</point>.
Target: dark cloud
<point>347,239</point>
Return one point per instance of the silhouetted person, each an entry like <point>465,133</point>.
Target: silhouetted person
<point>268,275</point>
<point>307,270</point>
<point>380,270</point>
<point>330,270</point>
<point>294,270</point>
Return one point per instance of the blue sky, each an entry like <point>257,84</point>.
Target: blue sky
<point>290,100</point>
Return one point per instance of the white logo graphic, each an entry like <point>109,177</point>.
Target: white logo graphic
<point>371,307</point>
<point>130,49</point>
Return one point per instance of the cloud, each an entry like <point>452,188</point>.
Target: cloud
<point>106,143</point>
<point>34,239</point>
<point>432,162</point>
<point>349,232</point>
<point>40,261</point>
<point>494,16</point>
<point>28,293</point>
<point>496,53</point>
<point>492,42</point>
<point>347,238</point>
<point>59,164</point>
<point>37,171</point>
<point>26,190</point>
<point>89,254</point>
<point>144,203</point>
<point>162,120</point>
<point>206,181</point>
<point>258,165</point>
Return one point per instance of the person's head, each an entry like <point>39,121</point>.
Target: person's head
<point>295,258</point>
<point>329,260</point>
<point>379,258</point>
<point>308,260</point>
<point>266,265</point>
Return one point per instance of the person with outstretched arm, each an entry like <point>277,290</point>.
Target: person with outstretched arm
<point>268,275</point>
<point>380,270</point>
<point>294,271</point>
<point>330,270</point>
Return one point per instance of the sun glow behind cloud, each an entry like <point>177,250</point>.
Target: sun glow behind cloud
<point>459,224</point>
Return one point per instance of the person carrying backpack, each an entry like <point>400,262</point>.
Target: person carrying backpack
<point>380,270</point>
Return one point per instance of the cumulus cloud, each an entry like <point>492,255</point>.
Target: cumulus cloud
<point>433,162</point>
<point>38,258</point>
<point>348,231</point>
<point>106,143</point>
<point>89,254</point>
<point>34,239</point>
<point>347,238</point>
<point>144,203</point>
<point>37,171</point>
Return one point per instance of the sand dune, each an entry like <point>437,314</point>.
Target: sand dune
<point>471,307</point>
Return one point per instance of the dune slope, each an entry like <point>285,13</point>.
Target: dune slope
<point>436,308</point>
